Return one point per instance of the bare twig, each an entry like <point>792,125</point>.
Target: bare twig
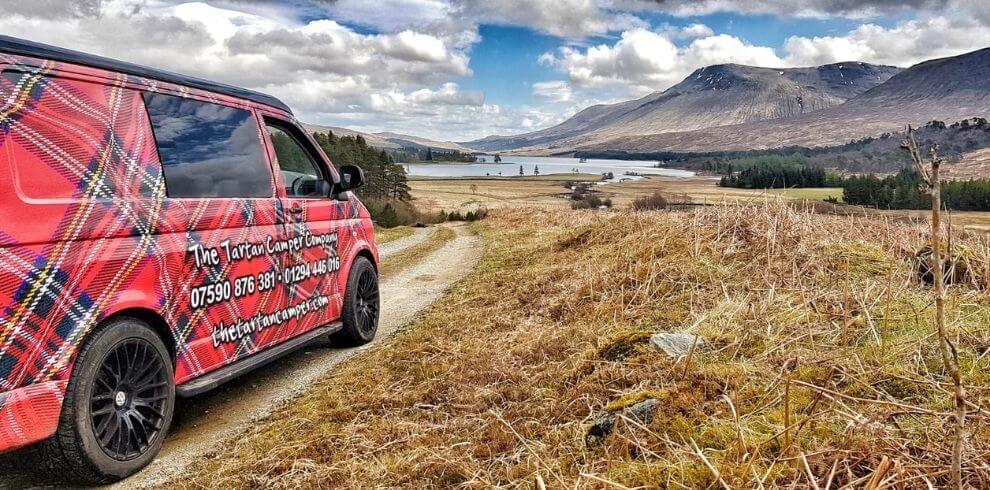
<point>950,358</point>
<point>709,465</point>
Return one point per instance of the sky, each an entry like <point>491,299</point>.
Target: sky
<point>461,70</point>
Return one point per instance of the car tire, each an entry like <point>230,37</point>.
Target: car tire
<point>361,306</point>
<point>123,377</point>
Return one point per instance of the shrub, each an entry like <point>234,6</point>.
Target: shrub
<point>646,203</point>
<point>389,214</point>
<point>588,201</point>
<point>468,216</point>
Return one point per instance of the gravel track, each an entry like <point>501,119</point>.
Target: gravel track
<point>419,235</point>
<point>204,423</point>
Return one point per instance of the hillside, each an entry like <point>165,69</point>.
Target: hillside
<point>814,370</point>
<point>947,89</point>
<point>712,96</point>
<point>388,140</point>
<point>416,142</point>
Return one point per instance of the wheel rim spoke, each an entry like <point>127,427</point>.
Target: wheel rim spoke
<point>129,400</point>
<point>366,311</point>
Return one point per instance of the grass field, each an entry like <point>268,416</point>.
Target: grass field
<point>547,191</point>
<point>493,193</point>
<point>819,369</point>
<point>815,194</point>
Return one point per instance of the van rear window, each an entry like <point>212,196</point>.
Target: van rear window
<point>208,150</point>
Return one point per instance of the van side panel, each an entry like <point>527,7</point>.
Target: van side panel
<point>80,215</point>
<point>81,192</point>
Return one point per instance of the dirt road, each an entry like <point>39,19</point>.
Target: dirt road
<point>205,422</point>
<point>419,235</point>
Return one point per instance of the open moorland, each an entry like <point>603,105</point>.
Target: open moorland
<point>814,367</point>
<point>548,191</point>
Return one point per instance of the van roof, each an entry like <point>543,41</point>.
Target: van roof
<point>23,47</point>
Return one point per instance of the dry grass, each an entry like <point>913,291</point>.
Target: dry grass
<point>544,192</point>
<point>410,256</point>
<point>812,194</point>
<point>385,235</point>
<point>456,194</point>
<point>824,370</point>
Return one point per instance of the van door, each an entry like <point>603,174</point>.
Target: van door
<point>313,219</point>
<point>223,297</point>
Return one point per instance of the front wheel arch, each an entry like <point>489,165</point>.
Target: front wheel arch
<point>74,451</point>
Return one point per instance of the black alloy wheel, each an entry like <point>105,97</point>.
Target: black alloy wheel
<point>128,404</point>
<point>118,405</point>
<point>362,305</point>
<point>366,307</point>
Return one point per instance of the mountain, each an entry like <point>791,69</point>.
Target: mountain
<point>389,141</point>
<point>946,89</point>
<point>716,95</point>
<point>371,138</point>
<point>407,141</point>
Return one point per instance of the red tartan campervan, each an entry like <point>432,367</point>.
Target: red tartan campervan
<point>159,235</point>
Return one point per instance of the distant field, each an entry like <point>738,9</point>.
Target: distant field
<point>816,194</point>
<point>547,191</point>
<point>449,194</point>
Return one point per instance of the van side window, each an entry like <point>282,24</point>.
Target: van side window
<point>208,150</point>
<point>300,172</point>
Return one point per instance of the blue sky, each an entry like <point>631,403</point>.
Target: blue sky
<point>464,69</point>
<point>513,51</point>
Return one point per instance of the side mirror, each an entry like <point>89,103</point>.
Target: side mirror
<point>351,177</point>
<point>326,188</point>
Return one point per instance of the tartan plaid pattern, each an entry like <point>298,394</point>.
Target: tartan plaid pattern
<point>86,230</point>
<point>29,414</point>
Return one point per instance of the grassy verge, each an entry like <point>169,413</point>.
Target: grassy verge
<point>812,194</point>
<point>385,235</point>
<point>412,255</point>
<point>822,368</point>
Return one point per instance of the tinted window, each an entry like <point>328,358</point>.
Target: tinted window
<point>300,172</point>
<point>208,150</point>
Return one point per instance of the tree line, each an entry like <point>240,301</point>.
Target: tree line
<point>880,154</point>
<point>416,155</point>
<point>903,191</point>
<point>772,172</point>
<point>386,180</point>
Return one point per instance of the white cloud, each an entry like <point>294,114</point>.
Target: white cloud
<point>325,71</point>
<point>856,9</point>
<point>398,71</point>
<point>553,91</point>
<point>448,94</point>
<point>566,18</point>
<point>413,46</point>
<point>648,61</point>
<point>693,31</point>
<point>639,57</point>
<point>724,48</point>
<point>905,44</point>
<point>390,15</point>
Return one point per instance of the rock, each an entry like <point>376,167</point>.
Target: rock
<point>641,412</point>
<point>677,344</point>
